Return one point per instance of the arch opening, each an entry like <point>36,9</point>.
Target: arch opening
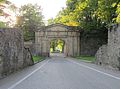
<point>57,47</point>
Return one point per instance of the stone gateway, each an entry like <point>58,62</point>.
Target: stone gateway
<point>70,37</point>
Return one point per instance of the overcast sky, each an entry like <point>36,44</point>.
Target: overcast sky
<point>50,7</point>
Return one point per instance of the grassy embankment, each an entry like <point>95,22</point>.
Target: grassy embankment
<point>86,58</point>
<point>38,59</point>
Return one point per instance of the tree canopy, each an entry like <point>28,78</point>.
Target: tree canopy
<point>30,19</point>
<point>6,5</point>
<point>89,14</point>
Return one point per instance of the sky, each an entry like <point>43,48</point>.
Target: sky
<point>50,7</point>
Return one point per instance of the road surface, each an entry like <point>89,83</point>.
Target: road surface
<point>62,73</point>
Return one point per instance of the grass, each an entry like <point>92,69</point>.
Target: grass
<point>86,58</point>
<point>37,58</point>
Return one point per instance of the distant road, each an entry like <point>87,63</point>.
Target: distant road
<point>62,73</point>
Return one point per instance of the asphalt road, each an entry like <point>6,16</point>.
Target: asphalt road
<point>62,73</point>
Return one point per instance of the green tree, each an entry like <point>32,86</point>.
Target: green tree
<point>2,24</point>
<point>8,5</point>
<point>5,4</point>
<point>107,11</point>
<point>90,14</point>
<point>57,44</point>
<point>118,13</point>
<point>30,19</point>
<point>50,21</point>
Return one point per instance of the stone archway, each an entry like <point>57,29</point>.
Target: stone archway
<point>57,31</point>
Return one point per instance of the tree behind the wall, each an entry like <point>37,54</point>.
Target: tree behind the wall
<point>30,20</point>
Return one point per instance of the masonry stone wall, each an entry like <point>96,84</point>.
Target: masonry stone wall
<point>12,52</point>
<point>27,58</point>
<point>90,41</point>
<point>102,58</point>
<point>110,55</point>
<point>31,46</point>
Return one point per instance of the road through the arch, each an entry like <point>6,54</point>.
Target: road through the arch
<point>62,73</point>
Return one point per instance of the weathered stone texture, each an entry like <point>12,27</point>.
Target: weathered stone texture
<point>111,53</point>
<point>101,55</point>
<point>90,41</point>
<point>11,51</point>
<point>31,46</point>
<point>27,58</point>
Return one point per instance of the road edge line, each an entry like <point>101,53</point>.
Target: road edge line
<point>17,83</point>
<point>118,78</point>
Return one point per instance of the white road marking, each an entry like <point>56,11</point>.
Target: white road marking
<point>118,78</point>
<point>17,83</point>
